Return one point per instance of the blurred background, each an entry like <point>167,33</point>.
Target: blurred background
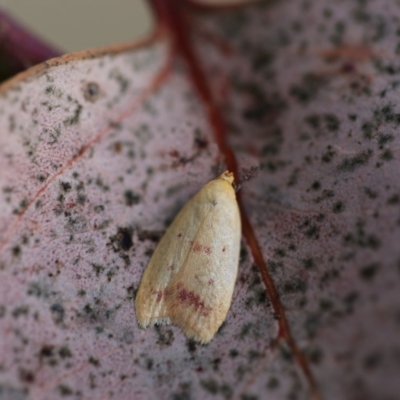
<point>73,25</point>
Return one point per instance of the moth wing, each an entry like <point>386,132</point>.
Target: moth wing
<point>166,261</point>
<point>198,297</point>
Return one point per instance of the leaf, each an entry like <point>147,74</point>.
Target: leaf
<point>100,150</point>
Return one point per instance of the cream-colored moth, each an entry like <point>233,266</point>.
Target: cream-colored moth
<point>190,277</point>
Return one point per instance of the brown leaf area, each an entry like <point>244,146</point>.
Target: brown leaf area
<point>99,151</point>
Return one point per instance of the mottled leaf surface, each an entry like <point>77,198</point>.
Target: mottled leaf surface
<point>96,158</point>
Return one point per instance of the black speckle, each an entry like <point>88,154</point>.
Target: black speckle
<point>349,164</point>
<point>91,91</point>
<point>307,89</point>
<point>386,155</point>
<point>368,272</point>
<point>46,351</point>
<point>16,251</point>
<point>165,335</point>
<point>131,198</point>
<point>98,268</point>
<point>332,123</point>
<point>93,361</point>
<point>384,139</point>
<point>316,185</point>
<point>367,129</point>
<point>2,311</point>
<point>57,311</point>
<point>294,286</point>
<point>25,376</point>
<point>210,385</point>
<point>370,193</point>
<point>315,355</point>
<point>314,120</point>
<point>273,383</point>
<point>328,155</point>
<point>311,324</point>
<point>20,311</point>
<point>66,186</point>
<point>360,238</point>
<point>34,289</point>
<point>149,364</point>
<point>308,263</point>
<point>371,361</point>
<point>122,240</point>
<point>200,143</point>
<point>312,232</point>
<point>325,304</point>
<point>393,200</point>
<point>64,390</point>
<point>76,116</point>
<point>64,352</point>
<point>338,207</point>
<point>233,353</point>
<point>191,345</point>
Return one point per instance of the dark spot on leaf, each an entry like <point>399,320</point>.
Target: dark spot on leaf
<point>315,355</point>
<point>367,129</point>
<point>368,272</point>
<point>370,193</point>
<point>131,198</point>
<point>210,385</point>
<point>57,311</point>
<point>200,143</point>
<point>149,364</point>
<point>20,311</point>
<point>245,330</point>
<point>273,383</point>
<point>393,200</point>
<point>122,240</point>
<point>93,361</point>
<point>316,185</point>
<point>307,89</point>
<point>386,155</point>
<point>91,91</point>
<point>64,390</point>
<point>308,263</point>
<point>285,352</point>
<point>384,139</point>
<point>325,304</point>
<point>34,289</point>
<point>349,164</point>
<point>332,122</point>
<point>98,268</point>
<point>311,324</point>
<point>191,345</point>
<point>294,286</point>
<point>372,361</point>
<point>46,351</point>
<point>66,186</point>
<point>25,376</point>
<point>338,207</point>
<point>75,117</point>
<point>65,352</point>
<point>16,251</point>
<point>131,292</point>
<point>328,155</point>
<point>165,335</point>
<point>233,353</point>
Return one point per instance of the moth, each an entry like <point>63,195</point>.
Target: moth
<point>190,277</point>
